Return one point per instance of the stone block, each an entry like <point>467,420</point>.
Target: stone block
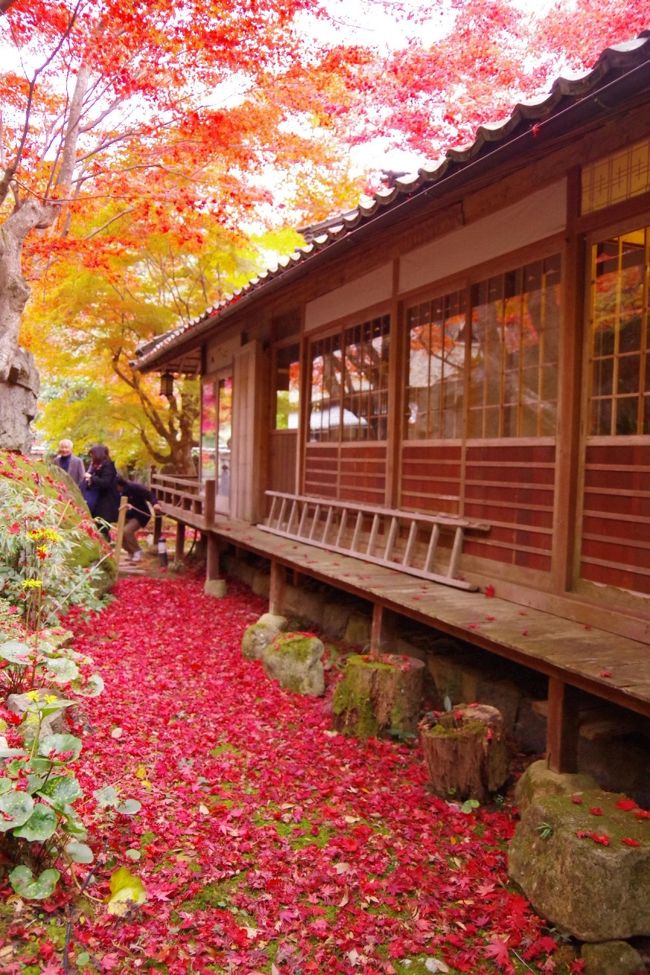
<point>259,635</point>
<point>335,620</point>
<point>582,860</point>
<point>305,604</point>
<point>260,583</point>
<point>215,587</point>
<point>611,958</point>
<point>294,660</point>
<point>357,630</point>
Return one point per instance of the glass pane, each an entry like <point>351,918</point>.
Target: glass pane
<point>224,436</point>
<point>287,388</point>
<point>208,430</point>
<point>619,334</point>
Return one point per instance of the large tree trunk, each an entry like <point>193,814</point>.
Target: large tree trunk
<point>19,384</point>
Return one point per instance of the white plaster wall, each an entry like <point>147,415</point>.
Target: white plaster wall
<point>539,215</point>
<point>370,289</point>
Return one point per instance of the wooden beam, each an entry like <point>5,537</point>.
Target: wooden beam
<point>562,727</point>
<point>277,587</point>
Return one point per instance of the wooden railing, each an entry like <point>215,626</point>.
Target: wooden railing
<point>186,494</point>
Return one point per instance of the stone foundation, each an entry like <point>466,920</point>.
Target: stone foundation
<point>611,746</point>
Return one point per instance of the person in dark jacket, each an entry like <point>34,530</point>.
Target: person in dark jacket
<point>100,490</point>
<point>140,500</point>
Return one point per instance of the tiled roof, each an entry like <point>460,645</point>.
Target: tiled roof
<point>626,66</point>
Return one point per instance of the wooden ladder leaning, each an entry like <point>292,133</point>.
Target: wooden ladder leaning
<point>403,540</point>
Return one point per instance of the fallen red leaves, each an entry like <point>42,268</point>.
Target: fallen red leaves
<point>265,838</point>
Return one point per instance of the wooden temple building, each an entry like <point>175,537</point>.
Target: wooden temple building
<point>441,403</point>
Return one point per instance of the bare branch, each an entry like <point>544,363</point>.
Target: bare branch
<point>103,227</point>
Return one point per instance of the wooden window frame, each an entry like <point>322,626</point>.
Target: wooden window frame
<point>369,317</point>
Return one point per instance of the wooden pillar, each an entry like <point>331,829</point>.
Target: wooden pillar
<point>565,554</point>
<point>157,529</point>
<point>377,628</point>
<point>212,557</point>
<point>562,727</point>
<point>209,504</point>
<point>180,541</point>
<point>119,534</point>
<point>277,587</point>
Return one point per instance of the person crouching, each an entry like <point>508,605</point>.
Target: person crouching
<point>138,513</point>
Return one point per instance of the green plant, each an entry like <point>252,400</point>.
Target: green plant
<point>545,830</point>
<point>41,679</point>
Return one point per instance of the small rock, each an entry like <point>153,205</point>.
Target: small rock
<point>294,659</point>
<point>611,958</point>
<point>260,635</point>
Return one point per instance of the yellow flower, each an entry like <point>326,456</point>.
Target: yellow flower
<point>32,584</point>
<point>50,698</point>
<point>44,535</point>
<point>32,695</point>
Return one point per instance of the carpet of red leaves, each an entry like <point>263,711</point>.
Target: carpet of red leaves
<point>266,842</point>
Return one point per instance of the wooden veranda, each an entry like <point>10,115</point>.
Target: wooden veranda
<point>574,657</point>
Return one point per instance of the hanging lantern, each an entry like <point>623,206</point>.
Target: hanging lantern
<point>167,384</point>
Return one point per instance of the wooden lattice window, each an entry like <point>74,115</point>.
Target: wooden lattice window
<point>515,320</point>
<point>620,344</point>
<point>349,383</point>
<point>436,382</point>
<point>618,177</point>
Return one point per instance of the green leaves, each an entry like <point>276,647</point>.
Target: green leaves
<point>30,887</point>
<point>15,652</point>
<point>15,809</point>
<point>108,798</point>
<point>61,790</point>
<point>40,826</point>
<point>79,852</point>
<point>52,746</point>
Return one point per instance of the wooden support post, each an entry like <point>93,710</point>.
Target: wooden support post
<point>377,628</point>
<point>276,589</point>
<point>157,529</point>
<point>119,534</point>
<point>180,542</point>
<point>215,584</point>
<point>210,501</point>
<point>212,568</point>
<point>562,727</point>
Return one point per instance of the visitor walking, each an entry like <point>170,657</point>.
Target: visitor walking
<point>69,462</point>
<point>100,491</point>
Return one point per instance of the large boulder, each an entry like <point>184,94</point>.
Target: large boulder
<point>582,857</point>
<point>294,659</point>
<point>258,636</point>
<point>18,402</point>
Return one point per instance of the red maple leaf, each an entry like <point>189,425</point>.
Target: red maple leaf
<point>498,951</point>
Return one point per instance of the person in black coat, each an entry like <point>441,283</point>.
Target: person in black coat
<point>100,489</point>
<point>140,500</point>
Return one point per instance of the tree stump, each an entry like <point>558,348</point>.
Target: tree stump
<point>465,751</point>
<point>379,694</point>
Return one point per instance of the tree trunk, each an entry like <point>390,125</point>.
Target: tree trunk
<point>379,695</point>
<point>465,751</point>
<point>19,384</point>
